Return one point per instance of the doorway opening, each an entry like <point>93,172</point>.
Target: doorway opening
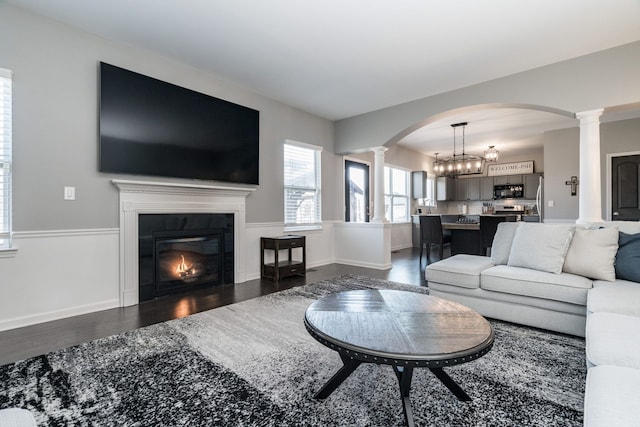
<point>356,191</point>
<point>625,188</point>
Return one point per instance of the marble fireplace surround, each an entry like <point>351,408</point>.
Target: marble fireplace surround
<point>146,197</point>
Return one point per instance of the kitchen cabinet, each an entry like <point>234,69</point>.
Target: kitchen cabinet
<point>507,179</point>
<point>467,189</point>
<point>531,182</point>
<point>445,189</point>
<point>486,188</point>
<point>473,189</point>
<point>461,189</point>
<point>419,184</point>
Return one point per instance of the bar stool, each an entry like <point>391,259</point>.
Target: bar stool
<point>431,233</point>
<point>488,227</point>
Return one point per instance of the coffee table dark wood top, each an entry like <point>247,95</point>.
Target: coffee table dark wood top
<point>401,329</point>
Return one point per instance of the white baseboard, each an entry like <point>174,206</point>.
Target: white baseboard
<point>401,247</point>
<point>364,264</point>
<point>19,322</point>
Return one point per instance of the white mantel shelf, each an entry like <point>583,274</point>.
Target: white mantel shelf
<point>150,197</point>
<point>130,186</point>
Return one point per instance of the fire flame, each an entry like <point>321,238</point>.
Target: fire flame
<point>185,270</point>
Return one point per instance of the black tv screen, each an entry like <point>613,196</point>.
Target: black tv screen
<point>151,127</point>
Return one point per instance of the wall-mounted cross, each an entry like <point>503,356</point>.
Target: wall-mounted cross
<point>574,184</point>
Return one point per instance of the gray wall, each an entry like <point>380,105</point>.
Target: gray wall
<point>604,79</point>
<point>55,125</point>
<point>561,159</point>
<point>617,138</point>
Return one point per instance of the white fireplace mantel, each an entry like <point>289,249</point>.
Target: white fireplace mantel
<point>147,197</point>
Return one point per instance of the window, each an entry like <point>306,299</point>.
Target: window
<point>5,158</point>
<point>396,194</point>
<point>301,185</point>
<point>431,191</point>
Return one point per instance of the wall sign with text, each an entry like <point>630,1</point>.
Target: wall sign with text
<point>515,168</point>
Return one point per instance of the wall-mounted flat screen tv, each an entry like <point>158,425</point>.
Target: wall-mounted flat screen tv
<point>151,127</point>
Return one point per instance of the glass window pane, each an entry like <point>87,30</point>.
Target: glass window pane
<point>387,180</point>
<point>301,185</point>
<point>399,179</point>
<point>299,166</point>
<point>400,209</point>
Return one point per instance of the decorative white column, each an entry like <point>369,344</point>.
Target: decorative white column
<point>378,185</point>
<point>590,193</point>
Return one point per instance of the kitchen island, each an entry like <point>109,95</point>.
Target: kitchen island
<point>464,230</point>
<point>465,237</point>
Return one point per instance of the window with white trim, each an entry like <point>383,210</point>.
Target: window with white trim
<point>5,158</point>
<point>396,194</point>
<point>301,185</point>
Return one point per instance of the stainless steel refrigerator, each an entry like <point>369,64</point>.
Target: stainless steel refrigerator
<point>540,199</point>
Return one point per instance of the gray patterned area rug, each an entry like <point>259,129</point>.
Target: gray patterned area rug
<point>254,364</point>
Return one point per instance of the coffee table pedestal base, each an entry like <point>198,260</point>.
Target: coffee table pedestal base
<point>404,375</point>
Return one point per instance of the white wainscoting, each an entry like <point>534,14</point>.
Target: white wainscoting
<point>320,244</point>
<point>63,273</point>
<point>365,244</point>
<point>401,237</point>
<point>57,274</point>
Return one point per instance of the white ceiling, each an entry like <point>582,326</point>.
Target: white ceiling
<point>340,58</point>
<point>508,129</point>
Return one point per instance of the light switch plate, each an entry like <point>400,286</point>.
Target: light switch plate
<point>69,193</point>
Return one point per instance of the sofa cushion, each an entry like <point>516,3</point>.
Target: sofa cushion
<point>611,397</point>
<point>620,297</point>
<point>534,283</point>
<point>16,417</point>
<point>627,265</point>
<point>592,253</point>
<point>540,246</point>
<point>459,270</point>
<point>502,240</point>
<point>613,339</point>
<point>629,227</point>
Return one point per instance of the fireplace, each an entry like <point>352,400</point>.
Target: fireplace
<point>179,253</point>
<point>139,198</point>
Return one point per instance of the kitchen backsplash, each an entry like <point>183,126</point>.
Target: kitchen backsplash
<point>475,207</point>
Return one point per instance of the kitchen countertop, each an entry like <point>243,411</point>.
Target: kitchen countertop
<point>460,226</point>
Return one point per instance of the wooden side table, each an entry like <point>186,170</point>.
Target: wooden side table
<point>282,268</point>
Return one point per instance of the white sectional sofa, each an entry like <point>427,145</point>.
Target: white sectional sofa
<point>526,280</point>
<point>568,279</point>
<point>613,355</point>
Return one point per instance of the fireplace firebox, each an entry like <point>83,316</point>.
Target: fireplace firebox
<point>183,252</point>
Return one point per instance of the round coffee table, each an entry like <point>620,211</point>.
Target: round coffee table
<point>402,329</point>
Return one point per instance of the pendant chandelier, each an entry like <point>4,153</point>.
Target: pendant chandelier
<point>458,164</point>
<point>491,155</point>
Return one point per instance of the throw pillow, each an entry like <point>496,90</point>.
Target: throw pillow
<point>540,246</point>
<point>628,257</point>
<point>502,240</point>
<point>592,253</point>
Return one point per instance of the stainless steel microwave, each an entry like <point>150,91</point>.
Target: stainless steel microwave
<point>508,191</point>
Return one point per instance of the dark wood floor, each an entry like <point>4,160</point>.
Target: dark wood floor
<point>22,343</point>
